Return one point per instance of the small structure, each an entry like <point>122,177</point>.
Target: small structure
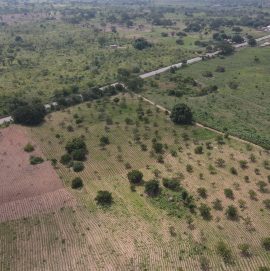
<point>114,46</point>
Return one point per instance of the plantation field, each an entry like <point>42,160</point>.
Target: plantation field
<point>240,105</point>
<point>139,232</point>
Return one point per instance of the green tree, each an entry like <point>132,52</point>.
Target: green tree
<point>104,198</point>
<point>225,252</point>
<point>152,188</point>
<point>205,211</point>
<point>232,213</point>
<point>30,115</point>
<point>181,114</point>
<point>77,183</point>
<point>135,177</point>
<point>266,243</point>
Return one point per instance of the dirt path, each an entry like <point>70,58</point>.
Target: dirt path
<point>199,124</point>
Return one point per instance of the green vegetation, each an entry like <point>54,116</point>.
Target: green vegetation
<point>77,183</point>
<point>29,147</point>
<point>234,100</point>
<point>29,114</point>
<point>104,198</point>
<point>35,160</point>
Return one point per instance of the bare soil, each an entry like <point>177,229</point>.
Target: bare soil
<point>25,187</point>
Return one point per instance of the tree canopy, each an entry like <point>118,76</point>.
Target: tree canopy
<point>181,114</point>
<point>31,114</point>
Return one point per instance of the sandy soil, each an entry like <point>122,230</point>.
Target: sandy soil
<point>24,186</point>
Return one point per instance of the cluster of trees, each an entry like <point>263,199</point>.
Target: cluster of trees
<point>29,114</point>
<point>76,154</point>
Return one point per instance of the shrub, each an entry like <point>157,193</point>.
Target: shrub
<point>205,211</point>
<point>267,203</point>
<point>252,194</point>
<point>34,160</point>
<point>152,188</point>
<point>207,74</point>
<point>104,198</point>
<point>202,192</point>
<point>141,44</point>
<point>158,147</point>
<point>264,268</point>
<point>171,184</point>
<point>135,177</point>
<point>77,183</point>
<point>233,171</point>
<point>29,114</point>
<point>217,205</point>
<point>189,168</point>
<point>245,250</point>
<point>79,155</point>
<point>266,243</point>
<point>66,159</point>
<point>243,164</point>
<point>78,166</point>
<point>204,263</point>
<point>220,163</point>
<point>181,114</point>
<point>225,252</point>
<point>198,150</point>
<point>262,186</point>
<point>29,148</point>
<point>231,212</point>
<point>228,193</point>
<point>220,69</point>
<point>75,144</point>
<point>104,140</point>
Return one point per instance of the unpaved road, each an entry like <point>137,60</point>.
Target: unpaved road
<point>199,124</point>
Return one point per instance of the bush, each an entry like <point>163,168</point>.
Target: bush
<point>198,150</point>
<point>171,184</point>
<point>228,193</point>
<point>181,114</point>
<point>78,166</point>
<point>79,155</point>
<point>66,159</point>
<point>158,147</point>
<point>29,114</point>
<point>252,194</point>
<point>104,140</point>
<point>75,144</point>
<point>77,183</point>
<point>220,69</point>
<point>245,250</point>
<point>267,203</point>
<point>104,198</point>
<point>202,192</point>
<point>217,205</point>
<point>207,74</point>
<point>264,268</point>
<point>135,177</point>
<point>225,252</point>
<point>205,211</point>
<point>233,171</point>
<point>262,186</point>
<point>28,148</point>
<point>152,188</point>
<point>34,160</point>
<point>141,44</point>
<point>189,168</point>
<point>231,212</point>
<point>266,243</point>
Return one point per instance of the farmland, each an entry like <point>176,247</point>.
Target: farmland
<point>137,231</point>
<point>152,174</point>
<point>239,105</point>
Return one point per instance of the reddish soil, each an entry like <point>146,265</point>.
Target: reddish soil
<point>23,186</point>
